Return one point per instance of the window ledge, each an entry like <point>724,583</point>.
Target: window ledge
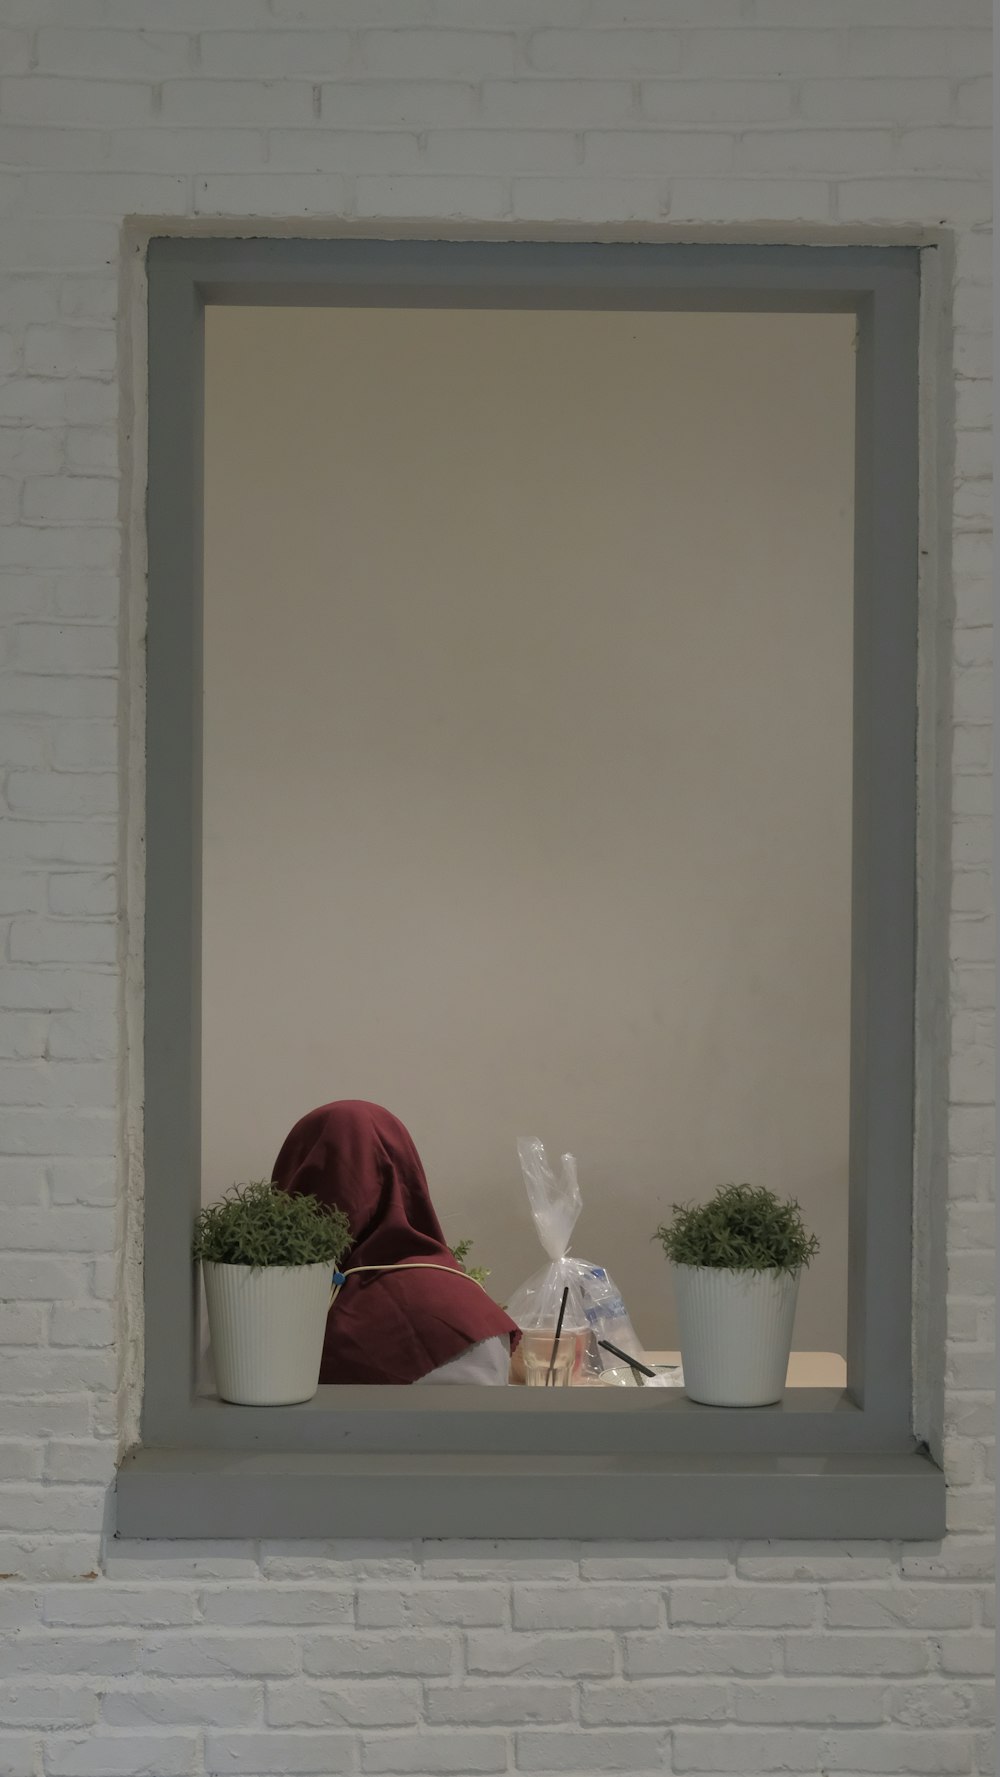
<point>214,1493</point>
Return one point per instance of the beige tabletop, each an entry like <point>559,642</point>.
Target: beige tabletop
<point>806,1369</point>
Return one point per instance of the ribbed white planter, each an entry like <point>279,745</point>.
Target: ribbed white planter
<point>267,1330</point>
<point>736,1333</point>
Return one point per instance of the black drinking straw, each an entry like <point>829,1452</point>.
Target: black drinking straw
<point>555,1342</point>
<point>633,1362</point>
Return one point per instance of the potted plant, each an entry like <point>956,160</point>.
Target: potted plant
<point>736,1262</point>
<point>267,1258</point>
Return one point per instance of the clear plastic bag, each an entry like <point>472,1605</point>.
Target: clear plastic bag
<point>594,1306</point>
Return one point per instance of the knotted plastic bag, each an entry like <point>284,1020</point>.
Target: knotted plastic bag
<point>594,1306</point>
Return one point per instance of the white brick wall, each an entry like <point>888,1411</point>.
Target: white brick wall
<point>785,115</point>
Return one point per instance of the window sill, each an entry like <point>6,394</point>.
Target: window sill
<point>193,1493</point>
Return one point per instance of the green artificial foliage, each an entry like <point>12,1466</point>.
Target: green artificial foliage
<point>461,1253</point>
<point>741,1228</point>
<point>257,1225</point>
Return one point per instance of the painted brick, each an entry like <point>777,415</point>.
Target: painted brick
<point>81,1460</point>
<point>221,1704</point>
<point>354,1655</point>
<point>23,1181</point>
<point>244,1606</point>
<point>734,103</point>
<point>610,54</point>
<point>657,152</point>
<point>745,1607</point>
<point>50,1509</point>
<point>590,200</point>
<point>458,1559</point>
<point>343,151</point>
<point>694,1655</point>
<point>121,1755</point>
<point>808,1704</point>
<point>139,1563</point>
<point>592,1607</point>
<point>54,648</point>
<point>463,1753</point>
<point>540,1656</point>
<point>940,1705</point>
<point>110,1656</point>
<point>102,194</point>
<point>205,1654</point>
<point>557,104</point>
<point>83,892</point>
<point>191,150</point>
<point>70,500</point>
<point>966,1655</point>
<point>597,1749</point>
<point>486,1705</point>
<point>61,1415</point>
<point>951,202</point>
<point>362,1703</point>
<point>401,113</point>
<point>399,104</point>
<point>874,100</point>
<point>657,1561</point>
<point>34,1704</point>
<point>92,1036</point>
<point>99,103</point>
<point>640,1704</point>
<point>22,1037</point>
<point>863,1656</point>
<point>281,55</point>
<point>18,1755</point>
<point>253,104</point>
<point>270,194</point>
<point>796,151</point>
<point>55,793</point>
<point>816,1561</point>
<point>501,151</point>
<point>891,1607</point>
<point>21,1324</point>
<point>256,1755</point>
<point>426,195</point>
<point>743,1750</point>
<point>471,1606</point>
<point>937,1755</point>
<point>90,1323</point>
<point>436,55</point>
<point>64,940</point>
<point>51,1557</point>
<point>146,54</point>
<point>743,200</point>
<point>339,1561</point>
<point>20,1460</point>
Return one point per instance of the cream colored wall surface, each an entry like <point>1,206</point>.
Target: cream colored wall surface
<point>527,759</point>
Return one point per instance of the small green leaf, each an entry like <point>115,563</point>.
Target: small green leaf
<point>461,1253</point>
<point>741,1228</point>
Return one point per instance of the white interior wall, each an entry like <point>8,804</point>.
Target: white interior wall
<point>527,759</point>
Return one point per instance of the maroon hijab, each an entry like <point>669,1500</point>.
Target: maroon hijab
<point>386,1326</point>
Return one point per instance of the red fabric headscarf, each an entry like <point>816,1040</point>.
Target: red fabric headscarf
<point>386,1326</point>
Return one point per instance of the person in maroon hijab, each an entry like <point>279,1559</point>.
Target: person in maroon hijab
<point>393,1324</point>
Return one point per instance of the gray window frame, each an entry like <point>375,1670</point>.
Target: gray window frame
<point>375,1461</point>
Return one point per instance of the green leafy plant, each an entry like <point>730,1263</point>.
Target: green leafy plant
<point>461,1253</point>
<point>258,1225</point>
<point>741,1228</point>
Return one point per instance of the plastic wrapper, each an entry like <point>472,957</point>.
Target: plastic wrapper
<point>594,1305</point>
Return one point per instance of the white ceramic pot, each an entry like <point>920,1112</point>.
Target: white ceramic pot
<point>736,1333</point>
<point>267,1330</point>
